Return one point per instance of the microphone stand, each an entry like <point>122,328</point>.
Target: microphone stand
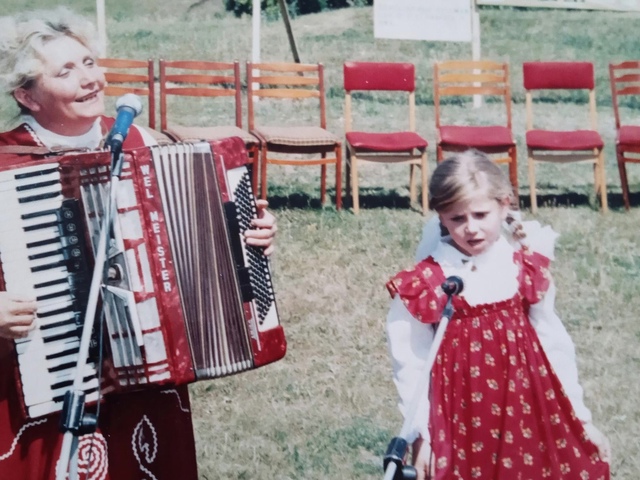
<point>393,462</point>
<point>74,422</point>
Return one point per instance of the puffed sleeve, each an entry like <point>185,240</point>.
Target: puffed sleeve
<point>535,277</point>
<point>420,291</point>
<point>409,342</point>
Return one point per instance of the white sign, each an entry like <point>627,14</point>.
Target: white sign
<point>438,20</point>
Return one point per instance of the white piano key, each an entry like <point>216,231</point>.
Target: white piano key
<point>41,409</point>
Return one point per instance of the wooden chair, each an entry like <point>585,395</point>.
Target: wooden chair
<point>397,146</point>
<point>303,86</point>
<point>186,78</point>
<point>133,76</point>
<point>625,87</point>
<point>562,146</point>
<point>467,79</point>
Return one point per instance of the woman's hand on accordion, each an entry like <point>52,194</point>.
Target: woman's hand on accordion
<point>264,229</point>
<point>17,315</point>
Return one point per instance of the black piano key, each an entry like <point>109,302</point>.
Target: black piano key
<point>69,308</point>
<point>35,173</point>
<point>42,243</point>
<point>64,353</point>
<point>60,398</point>
<point>37,198</point>
<point>51,283</point>
<point>62,367</point>
<point>36,185</point>
<point>62,323</point>
<point>61,336</point>
<point>49,296</point>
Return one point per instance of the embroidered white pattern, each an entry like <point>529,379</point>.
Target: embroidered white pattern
<point>175,392</point>
<point>14,444</point>
<point>144,441</point>
<point>93,460</point>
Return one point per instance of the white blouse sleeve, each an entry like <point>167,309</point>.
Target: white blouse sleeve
<point>560,350</point>
<point>409,343</point>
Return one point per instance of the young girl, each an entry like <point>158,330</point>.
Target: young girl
<point>503,401</point>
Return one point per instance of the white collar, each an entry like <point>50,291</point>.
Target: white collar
<point>49,139</point>
<point>446,254</point>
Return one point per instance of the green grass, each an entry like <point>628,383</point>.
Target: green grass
<point>327,410</point>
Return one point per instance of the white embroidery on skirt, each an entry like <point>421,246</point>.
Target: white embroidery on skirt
<point>175,392</point>
<point>93,460</point>
<point>144,442</point>
<point>14,444</point>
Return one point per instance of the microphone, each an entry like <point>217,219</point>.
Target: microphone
<point>452,285</point>
<point>128,107</point>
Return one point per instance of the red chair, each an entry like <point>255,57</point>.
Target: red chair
<point>463,80</point>
<point>397,146</point>
<point>625,85</point>
<point>562,146</point>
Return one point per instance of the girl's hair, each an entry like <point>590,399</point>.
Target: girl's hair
<point>464,174</point>
<point>23,35</point>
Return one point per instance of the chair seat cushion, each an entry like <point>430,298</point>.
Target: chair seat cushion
<point>386,142</point>
<point>159,137</point>
<point>296,136</point>
<point>476,136</point>
<point>564,141</point>
<point>194,134</point>
<point>629,136</point>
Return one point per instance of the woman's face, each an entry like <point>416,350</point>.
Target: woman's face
<point>68,96</point>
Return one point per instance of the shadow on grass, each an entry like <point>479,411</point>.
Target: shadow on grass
<point>373,198</point>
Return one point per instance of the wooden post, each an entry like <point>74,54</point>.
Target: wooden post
<point>475,43</point>
<point>292,41</point>
<point>102,27</point>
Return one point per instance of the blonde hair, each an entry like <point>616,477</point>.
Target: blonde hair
<point>22,35</point>
<point>464,174</point>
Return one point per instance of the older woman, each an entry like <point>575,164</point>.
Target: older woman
<point>48,64</point>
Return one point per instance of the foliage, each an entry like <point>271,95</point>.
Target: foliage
<point>296,7</point>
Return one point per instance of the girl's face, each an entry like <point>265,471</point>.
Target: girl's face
<point>68,96</point>
<point>475,223</point>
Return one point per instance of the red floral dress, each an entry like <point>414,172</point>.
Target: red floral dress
<point>497,409</point>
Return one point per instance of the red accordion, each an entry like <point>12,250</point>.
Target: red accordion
<point>186,300</point>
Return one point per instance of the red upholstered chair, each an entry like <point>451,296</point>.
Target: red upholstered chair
<point>560,146</point>
<point>303,137</point>
<point>208,80</point>
<point>125,75</point>
<point>396,146</point>
<point>465,79</point>
<point>625,86</point>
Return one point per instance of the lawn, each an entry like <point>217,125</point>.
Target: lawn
<point>328,409</point>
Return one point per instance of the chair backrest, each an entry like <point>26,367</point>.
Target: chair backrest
<point>131,76</point>
<point>459,78</point>
<point>285,81</point>
<point>380,77</point>
<point>625,82</point>
<point>193,78</point>
<point>559,76</point>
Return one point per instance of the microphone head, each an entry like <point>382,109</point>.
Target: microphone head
<point>130,100</point>
<point>452,285</point>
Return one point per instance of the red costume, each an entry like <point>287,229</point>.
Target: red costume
<point>497,408</point>
<point>142,435</point>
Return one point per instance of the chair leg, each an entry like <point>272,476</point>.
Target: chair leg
<point>354,184</point>
<point>425,182</point>
<point>263,172</point>
<point>604,203</point>
<point>254,154</point>
<point>624,182</point>
<point>323,181</point>
<point>338,176</point>
<point>412,183</point>
<point>532,183</point>
<point>347,175</point>
<point>439,153</point>
<point>513,171</point>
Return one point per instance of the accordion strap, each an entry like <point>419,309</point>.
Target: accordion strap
<point>33,150</point>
